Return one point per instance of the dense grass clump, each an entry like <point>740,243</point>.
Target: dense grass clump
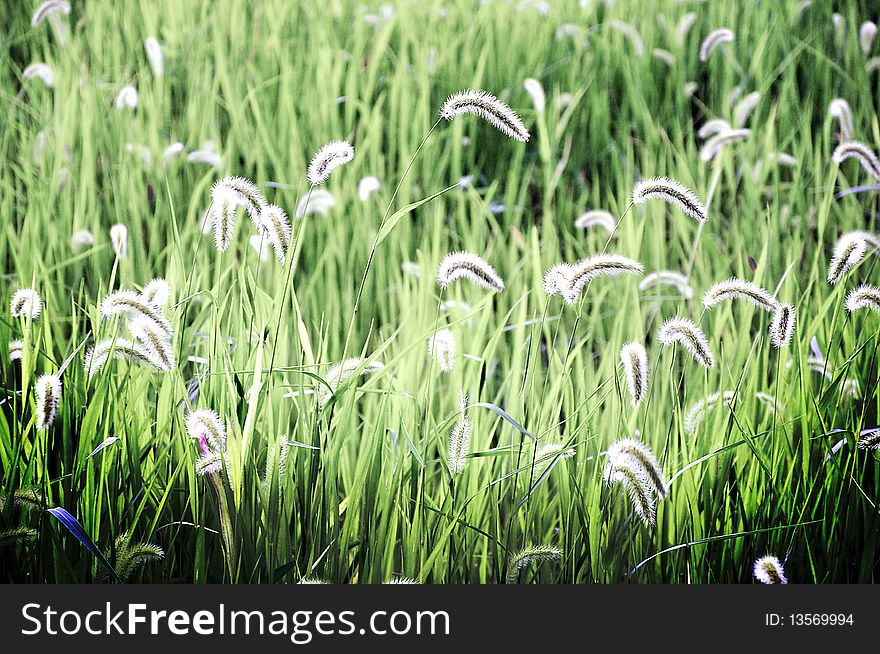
<point>372,378</point>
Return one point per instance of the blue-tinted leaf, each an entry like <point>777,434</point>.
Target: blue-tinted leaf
<point>77,530</point>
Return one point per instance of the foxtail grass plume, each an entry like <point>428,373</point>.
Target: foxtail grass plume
<point>205,427</point>
<point>441,346</point>
<point>717,143</point>
<point>527,556</point>
<point>131,556</point>
<point>862,153</point>
<point>39,70</point>
<point>127,98</point>
<point>711,42</point>
<point>839,109</point>
<point>744,108</point>
<point>768,570</point>
<point>157,291</point>
<point>239,191</point>
<point>536,92</point>
<point>849,250</point>
<point>398,581</point>
<point>663,55</point>
<point>631,33</point>
<point>328,159</point>
<point>644,458</point>
<point>26,304</point>
<point>596,218</point>
<point>740,289</point>
<point>712,127</point>
<point>119,240</point>
<point>863,297</point>
<point>571,279</point>
<point>49,8</point>
<point>486,106</point>
<point>134,305</point>
<point>155,56</point>
<point>224,206</point>
<point>867,32</point>
<point>549,452</point>
<point>48,392</point>
<point>317,200</point>
<point>119,348</point>
<point>635,365</point>
<point>459,438</point>
<point>684,25</point>
<point>671,192</point>
<point>667,278</point>
<point>367,186</point>
<point>631,474</point>
<point>16,350</point>
<point>698,409</point>
<point>155,340</point>
<point>277,229</point>
<point>782,325</point>
<point>466,265</point>
<point>686,332</point>
<point>80,239</point>
<point>341,372</point>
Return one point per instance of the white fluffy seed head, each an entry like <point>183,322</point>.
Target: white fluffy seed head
<point>47,9</point>
<point>127,98</point>
<point>711,42</point>
<point>317,200</point>
<point>48,392</point>
<point>26,303</point>
<point>155,341</point>
<point>686,332</point>
<point>157,291</point>
<point>82,238</point>
<point>862,153</point>
<point>839,109</point>
<point>579,274</point>
<point>240,191</point>
<point>41,71</point>
<point>459,438</point>
<point>625,469</point>
<point>849,250</point>
<point>635,365</point>
<point>486,106</point>
<point>768,570</point>
<point>740,289</point>
<point>596,218</point>
<point>712,127</point>
<point>698,409</point>
<point>631,33</point>
<point>672,192</point>
<point>717,143</point>
<point>206,424</point>
<point>536,92</point>
<point>16,350</point>
<point>557,279</point>
<point>276,226</point>
<point>119,240</point>
<point>782,325</point>
<point>631,448</point>
<point>155,56</point>
<point>367,186</point>
<point>224,206</point>
<point>867,32</point>
<point>328,159</point>
<point>120,348</point>
<point>863,297</point>
<point>667,278</point>
<point>467,265</point>
<point>528,555</point>
<point>341,372</point>
<point>135,305</point>
<point>744,108</point>
<point>441,346</point>
<point>684,25</point>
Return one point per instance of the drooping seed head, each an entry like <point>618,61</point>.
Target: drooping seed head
<point>586,270</point>
<point>698,409</point>
<point>154,54</point>
<point>466,265</point>
<point>686,332</point>
<point>867,32</point>
<point>863,297</point>
<point>41,71</point>
<point>631,33</point>
<point>715,38</point>
<point>536,92</point>
<point>630,473</point>
<point>157,291</point>
<point>318,200</point>
<point>134,305</point>
<point>849,250</point>
<point>596,218</point>
<point>127,98</point>
<point>839,109</point>
<point>247,194</point>
<point>48,8</point>
<point>441,346</point>
<point>712,127</point>
<point>740,289</point>
<point>341,372</point>
<point>205,424</point>
<point>717,143</point>
<point>532,554</point>
<point>328,159</point>
<point>119,240</point>
<point>155,340</point>
<point>635,365</point>
<point>768,570</point>
<point>557,279</point>
<point>459,438</point>
<point>667,278</point>
<point>367,186</point>
<point>16,350</point>
<point>862,153</point>
<point>82,238</point>
<point>277,229</point>
<point>630,448</point>
<point>782,325</point>
<point>744,108</point>
<point>671,192</point>
<point>120,348</point>
<point>488,107</point>
<point>663,55</point>
<point>684,25</point>
<point>26,304</point>
<point>48,392</point>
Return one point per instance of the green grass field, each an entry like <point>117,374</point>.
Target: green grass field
<point>359,490</point>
